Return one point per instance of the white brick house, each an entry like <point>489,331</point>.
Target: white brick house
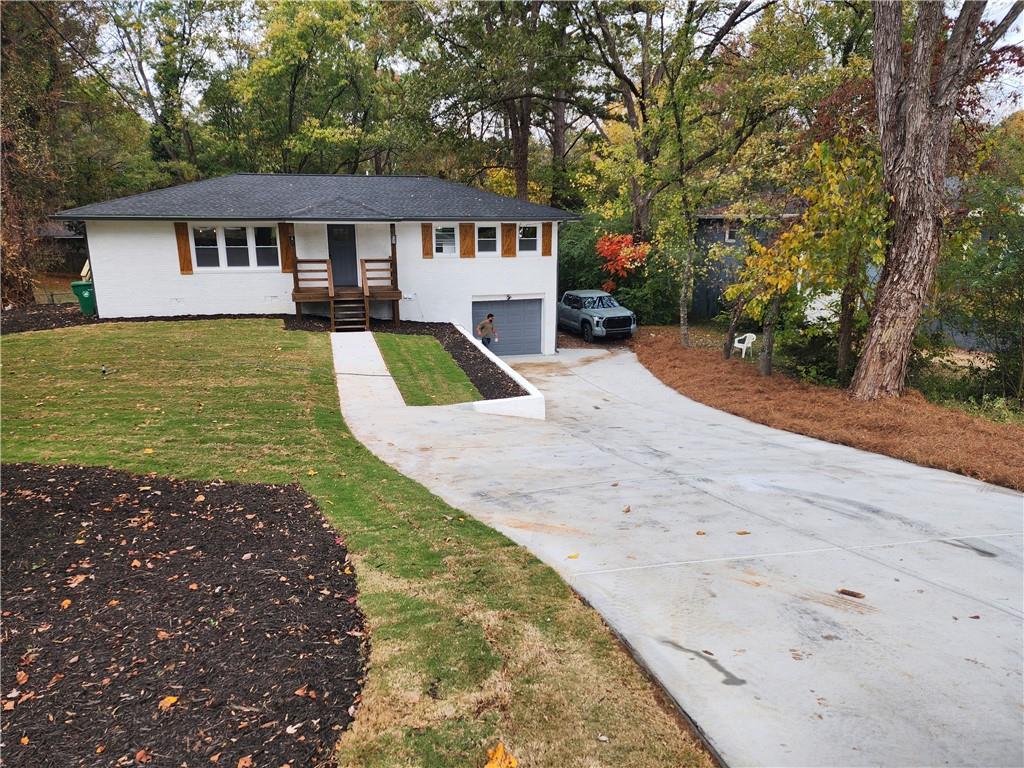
<point>345,246</point>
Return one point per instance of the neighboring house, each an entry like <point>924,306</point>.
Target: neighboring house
<point>723,224</point>
<point>62,247</point>
<point>349,247</point>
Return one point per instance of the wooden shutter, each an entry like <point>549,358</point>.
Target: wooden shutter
<point>467,240</point>
<point>184,249</point>
<point>546,239</point>
<point>286,245</point>
<point>508,239</point>
<point>427,235</point>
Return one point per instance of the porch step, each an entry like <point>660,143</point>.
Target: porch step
<point>349,314</point>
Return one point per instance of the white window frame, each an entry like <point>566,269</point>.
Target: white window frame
<point>222,256</point>
<point>496,226</point>
<point>519,226</point>
<point>455,230</point>
<point>729,230</point>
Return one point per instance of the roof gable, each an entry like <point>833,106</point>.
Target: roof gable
<point>319,197</point>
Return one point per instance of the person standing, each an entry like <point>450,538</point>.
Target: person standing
<point>485,330</point>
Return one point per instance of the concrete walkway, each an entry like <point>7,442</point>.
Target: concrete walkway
<point>715,547</point>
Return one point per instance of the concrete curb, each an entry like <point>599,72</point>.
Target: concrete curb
<point>529,406</point>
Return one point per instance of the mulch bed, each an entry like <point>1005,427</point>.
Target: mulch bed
<point>492,382</point>
<point>908,427</point>
<point>165,622</point>
<point>568,340</point>
<point>45,317</point>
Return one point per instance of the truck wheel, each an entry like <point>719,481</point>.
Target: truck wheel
<point>588,333</point>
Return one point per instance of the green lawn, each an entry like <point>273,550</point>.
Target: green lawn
<point>424,372</point>
<point>473,640</point>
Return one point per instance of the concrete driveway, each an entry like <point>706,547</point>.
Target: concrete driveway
<point>715,548</point>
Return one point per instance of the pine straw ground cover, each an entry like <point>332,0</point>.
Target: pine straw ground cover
<point>908,428</point>
<point>148,620</point>
<point>472,640</point>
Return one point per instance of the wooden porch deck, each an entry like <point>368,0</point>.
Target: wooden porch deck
<point>348,306</point>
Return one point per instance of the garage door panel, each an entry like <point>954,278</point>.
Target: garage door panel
<point>519,323</point>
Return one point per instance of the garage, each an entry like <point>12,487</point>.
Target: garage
<point>518,323</point>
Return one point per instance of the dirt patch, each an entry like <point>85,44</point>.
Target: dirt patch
<point>149,620</point>
<point>492,382</point>
<point>908,428</point>
<point>568,340</point>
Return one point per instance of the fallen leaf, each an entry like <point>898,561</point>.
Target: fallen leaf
<point>142,756</point>
<point>850,593</point>
<point>145,487</point>
<point>975,616</point>
<point>742,533</point>
<point>147,450</point>
<point>247,556</point>
<point>79,541</point>
<point>573,556</point>
<point>602,737</point>
<point>245,762</point>
<point>215,758</point>
<point>193,586</point>
<point>200,497</point>
<point>311,472</point>
<point>162,634</point>
<point>65,604</point>
<point>166,703</point>
<point>8,706</point>
<point>22,677</point>
<point>615,485</point>
<point>112,603</point>
<point>301,691</point>
<point>76,580</point>
<point>136,563</point>
<point>499,757</point>
<point>100,749</point>
<point>625,509</point>
<point>24,741</point>
<point>701,533</point>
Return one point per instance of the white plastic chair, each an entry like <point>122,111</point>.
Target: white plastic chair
<point>744,343</point>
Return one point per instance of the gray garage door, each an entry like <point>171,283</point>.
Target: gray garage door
<point>518,323</point>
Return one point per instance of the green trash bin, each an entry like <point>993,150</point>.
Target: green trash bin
<point>86,296</point>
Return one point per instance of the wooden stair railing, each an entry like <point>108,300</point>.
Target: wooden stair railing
<point>378,280</point>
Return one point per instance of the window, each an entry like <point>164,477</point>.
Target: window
<point>266,246</point>
<point>528,238</point>
<point>207,253</point>
<point>444,241</point>
<point>487,239</point>
<point>236,246</point>
<point>730,231</point>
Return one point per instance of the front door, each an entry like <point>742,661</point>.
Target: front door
<point>341,245</point>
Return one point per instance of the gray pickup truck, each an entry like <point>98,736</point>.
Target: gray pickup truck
<point>595,314</point>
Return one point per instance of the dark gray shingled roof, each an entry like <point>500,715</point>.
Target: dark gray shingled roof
<point>319,197</point>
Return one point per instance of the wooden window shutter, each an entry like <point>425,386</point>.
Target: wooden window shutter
<point>286,244</point>
<point>508,239</point>
<point>467,240</point>
<point>545,239</point>
<point>427,235</point>
<point>184,249</point>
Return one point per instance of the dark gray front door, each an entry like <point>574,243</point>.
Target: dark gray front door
<point>518,323</point>
<point>341,245</point>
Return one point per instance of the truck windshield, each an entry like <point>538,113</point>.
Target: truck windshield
<point>600,302</point>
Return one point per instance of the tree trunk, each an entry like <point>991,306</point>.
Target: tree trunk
<point>559,128</point>
<point>685,291</point>
<point>771,315</point>
<point>847,307</point>
<point>908,272</point>
<point>734,321</point>
<point>519,112</point>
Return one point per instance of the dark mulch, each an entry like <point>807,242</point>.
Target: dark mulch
<point>492,382</point>
<point>45,317</point>
<point>120,591</point>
